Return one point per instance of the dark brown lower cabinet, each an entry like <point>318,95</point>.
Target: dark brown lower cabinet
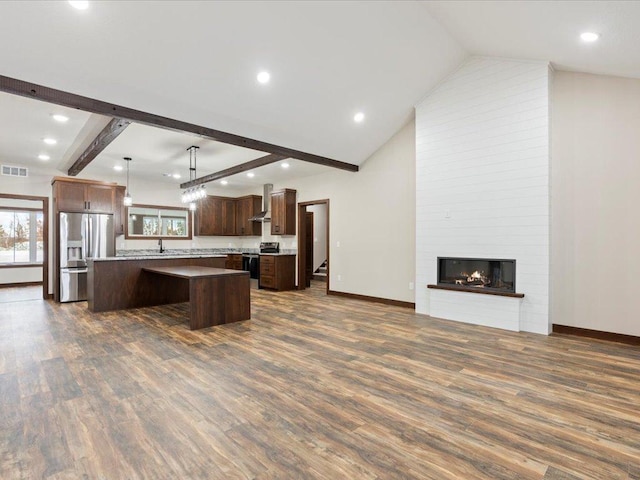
<point>278,272</point>
<point>234,261</point>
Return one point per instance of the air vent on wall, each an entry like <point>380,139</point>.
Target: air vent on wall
<point>14,171</point>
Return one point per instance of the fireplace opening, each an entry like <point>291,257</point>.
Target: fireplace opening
<point>477,273</point>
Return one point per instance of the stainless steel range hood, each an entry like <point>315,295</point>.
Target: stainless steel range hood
<point>265,214</point>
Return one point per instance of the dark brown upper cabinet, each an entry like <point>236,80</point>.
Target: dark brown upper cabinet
<point>247,207</point>
<point>227,216</point>
<point>76,195</point>
<point>283,212</point>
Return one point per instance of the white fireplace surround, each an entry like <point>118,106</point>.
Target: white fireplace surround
<point>482,188</point>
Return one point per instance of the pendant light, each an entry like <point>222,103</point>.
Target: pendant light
<point>193,194</point>
<point>128,201</point>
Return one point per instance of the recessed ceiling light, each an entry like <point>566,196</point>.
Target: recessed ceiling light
<point>176,175</point>
<point>358,117</point>
<point>117,168</point>
<point>251,174</point>
<point>79,4</point>
<point>50,141</point>
<point>284,165</point>
<point>44,157</point>
<point>589,37</point>
<point>60,118</point>
<point>224,182</point>
<point>264,77</point>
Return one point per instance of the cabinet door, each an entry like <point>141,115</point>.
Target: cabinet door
<point>277,213</point>
<point>70,197</point>
<point>254,204</point>
<point>228,216</point>
<point>242,217</point>
<point>247,207</point>
<point>206,216</point>
<point>119,215</point>
<point>100,198</point>
<point>289,212</point>
<point>283,212</point>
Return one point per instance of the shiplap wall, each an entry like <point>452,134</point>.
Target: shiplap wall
<point>482,188</point>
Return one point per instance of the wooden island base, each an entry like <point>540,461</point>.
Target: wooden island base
<point>216,295</point>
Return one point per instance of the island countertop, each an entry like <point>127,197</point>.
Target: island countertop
<point>193,271</point>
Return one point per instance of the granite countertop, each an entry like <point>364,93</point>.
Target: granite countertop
<point>281,254</point>
<point>184,251</point>
<point>165,256</point>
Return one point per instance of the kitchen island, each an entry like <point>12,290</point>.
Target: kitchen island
<point>216,295</point>
<point>119,283</point>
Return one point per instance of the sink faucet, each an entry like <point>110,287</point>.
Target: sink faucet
<point>160,243</point>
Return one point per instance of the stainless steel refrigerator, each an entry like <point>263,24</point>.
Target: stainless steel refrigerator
<point>82,236</point>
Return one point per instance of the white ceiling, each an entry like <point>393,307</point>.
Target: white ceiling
<point>549,31</point>
<point>197,62</point>
<point>25,123</point>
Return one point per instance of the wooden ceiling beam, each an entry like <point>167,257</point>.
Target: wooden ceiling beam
<point>227,172</point>
<point>108,134</point>
<point>71,100</point>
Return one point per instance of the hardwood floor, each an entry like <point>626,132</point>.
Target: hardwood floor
<point>312,387</point>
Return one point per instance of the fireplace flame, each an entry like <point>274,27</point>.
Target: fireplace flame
<point>475,276</point>
<point>476,279</point>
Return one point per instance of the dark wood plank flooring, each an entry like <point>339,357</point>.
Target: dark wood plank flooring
<point>312,387</point>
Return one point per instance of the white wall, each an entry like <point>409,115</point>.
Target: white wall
<point>20,275</point>
<point>371,217</point>
<point>319,234</point>
<point>595,229</point>
<point>482,187</point>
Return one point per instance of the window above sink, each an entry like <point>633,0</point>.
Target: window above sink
<point>155,221</point>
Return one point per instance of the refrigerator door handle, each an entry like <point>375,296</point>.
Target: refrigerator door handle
<point>84,232</point>
<point>90,236</point>
<point>74,271</point>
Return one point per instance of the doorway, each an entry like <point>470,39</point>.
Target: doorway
<point>313,244</point>
<point>25,243</point>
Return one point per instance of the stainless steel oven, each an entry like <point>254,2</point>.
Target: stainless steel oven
<point>270,247</point>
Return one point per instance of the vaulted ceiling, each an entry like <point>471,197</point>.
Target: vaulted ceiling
<point>197,62</point>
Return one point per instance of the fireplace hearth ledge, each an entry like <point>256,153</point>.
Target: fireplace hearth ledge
<point>476,290</point>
